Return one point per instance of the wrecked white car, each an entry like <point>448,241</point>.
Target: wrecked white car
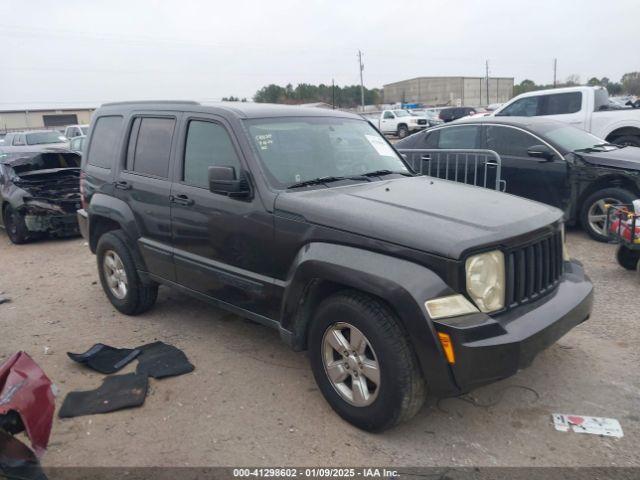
<point>40,193</point>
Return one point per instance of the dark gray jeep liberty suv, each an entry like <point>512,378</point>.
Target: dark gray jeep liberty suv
<point>309,221</point>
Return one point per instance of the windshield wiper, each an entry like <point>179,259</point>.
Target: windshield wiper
<point>381,173</point>
<point>317,181</point>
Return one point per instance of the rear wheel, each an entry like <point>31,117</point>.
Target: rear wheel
<point>363,362</point>
<point>15,226</point>
<point>119,276</point>
<point>594,210</point>
<point>627,258</point>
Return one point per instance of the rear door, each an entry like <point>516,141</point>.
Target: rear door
<point>388,122</point>
<point>223,245</point>
<point>525,176</point>
<point>143,183</point>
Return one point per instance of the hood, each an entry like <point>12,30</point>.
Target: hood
<point>424,213</point>
<point>627,157</point>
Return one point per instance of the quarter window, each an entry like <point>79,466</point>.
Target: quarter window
<point>104,141</point>
<point>508,141</point>
<point>150,151</point>
<point>208,145</point>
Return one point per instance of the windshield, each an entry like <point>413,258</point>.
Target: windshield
<point>571,138</point>
<point>46,161</point>
<point>294,150</point>
<point>401,113</point>
<point>84,130</point>
<point>39,138</point>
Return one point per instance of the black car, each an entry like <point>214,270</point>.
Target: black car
<point>454,113</point>
<point>308,221</point>
<point>40,193</point>
<point>548,161</point>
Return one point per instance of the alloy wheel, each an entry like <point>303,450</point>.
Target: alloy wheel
<point>597,214</point>
<point>115,274</point>
<point>351,364</point>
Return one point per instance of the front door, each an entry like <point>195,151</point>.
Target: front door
<point>525,176</point>
<point>222,244</point>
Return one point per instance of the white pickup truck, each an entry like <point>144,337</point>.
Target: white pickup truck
<point>584,107</point>
<point>399,122</point>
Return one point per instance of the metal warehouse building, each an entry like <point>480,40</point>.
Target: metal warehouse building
<point>29,118</point>
<point>468,91</point>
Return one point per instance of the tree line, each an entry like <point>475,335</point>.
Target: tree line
<point>629,84</point>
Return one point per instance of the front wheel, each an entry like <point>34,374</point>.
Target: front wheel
<point>403,131</point>
<point>363,362</point>
<point>628,140</point>
<point>15,226</point>
<point>593,213</point>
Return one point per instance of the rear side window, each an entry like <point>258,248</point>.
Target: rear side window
<point>150,146</point>
<point>208,145</point>
<point>104,141</point>
<point>562,103</point>
<point>459,137</point>
<point>525,107</point>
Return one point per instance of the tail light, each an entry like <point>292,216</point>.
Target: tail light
<point>83,198</point>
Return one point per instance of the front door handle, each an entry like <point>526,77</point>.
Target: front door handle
<point>181,200</point>
<point>122,185</point>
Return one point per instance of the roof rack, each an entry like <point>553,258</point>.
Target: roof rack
<point>152,102</point>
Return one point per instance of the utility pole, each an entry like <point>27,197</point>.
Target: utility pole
<point>361,81</point>
<point>486,76</point>
<point>555,69</point>
<point>333,94</point>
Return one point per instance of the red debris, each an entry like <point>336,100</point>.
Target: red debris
<point>26,389</point>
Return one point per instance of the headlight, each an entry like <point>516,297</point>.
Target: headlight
<point>451,306</point>
<point>485,280</point>
<point>565,250</point>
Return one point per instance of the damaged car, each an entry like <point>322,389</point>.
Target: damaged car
<point>548,161</point>
<point>40,193</point>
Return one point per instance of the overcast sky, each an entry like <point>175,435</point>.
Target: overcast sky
<point>73,52</point>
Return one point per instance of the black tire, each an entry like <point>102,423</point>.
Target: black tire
<point>403,131</point>
<point>139,297</point>
<point>401,391</point>
<point>620,195</point>
<point>627,258</point>
<point>15,226</point>
<point>630,140</point>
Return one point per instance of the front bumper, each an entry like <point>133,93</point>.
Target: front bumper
<point>491,348</point>
<point>58,225</point>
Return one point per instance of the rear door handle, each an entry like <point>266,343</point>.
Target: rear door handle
<point>181,200</point>
<point>122,185</point>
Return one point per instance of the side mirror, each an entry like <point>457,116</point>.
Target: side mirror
<point>223,181</point>
<point>541,151</point>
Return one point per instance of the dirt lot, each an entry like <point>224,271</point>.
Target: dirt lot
<point>252,401</point>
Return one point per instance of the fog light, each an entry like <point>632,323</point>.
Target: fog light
<point>451,306</point>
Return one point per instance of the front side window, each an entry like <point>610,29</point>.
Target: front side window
<point>507,141</point>
<point>150,153</point>
<point>562,103</point>
<point>297,149</point>
<point>104,141</point>
<point>208,145</point>
<point>525,107</point>
<point>459,137</point>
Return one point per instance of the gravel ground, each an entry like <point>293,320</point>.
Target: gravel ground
<point>252,401</point>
